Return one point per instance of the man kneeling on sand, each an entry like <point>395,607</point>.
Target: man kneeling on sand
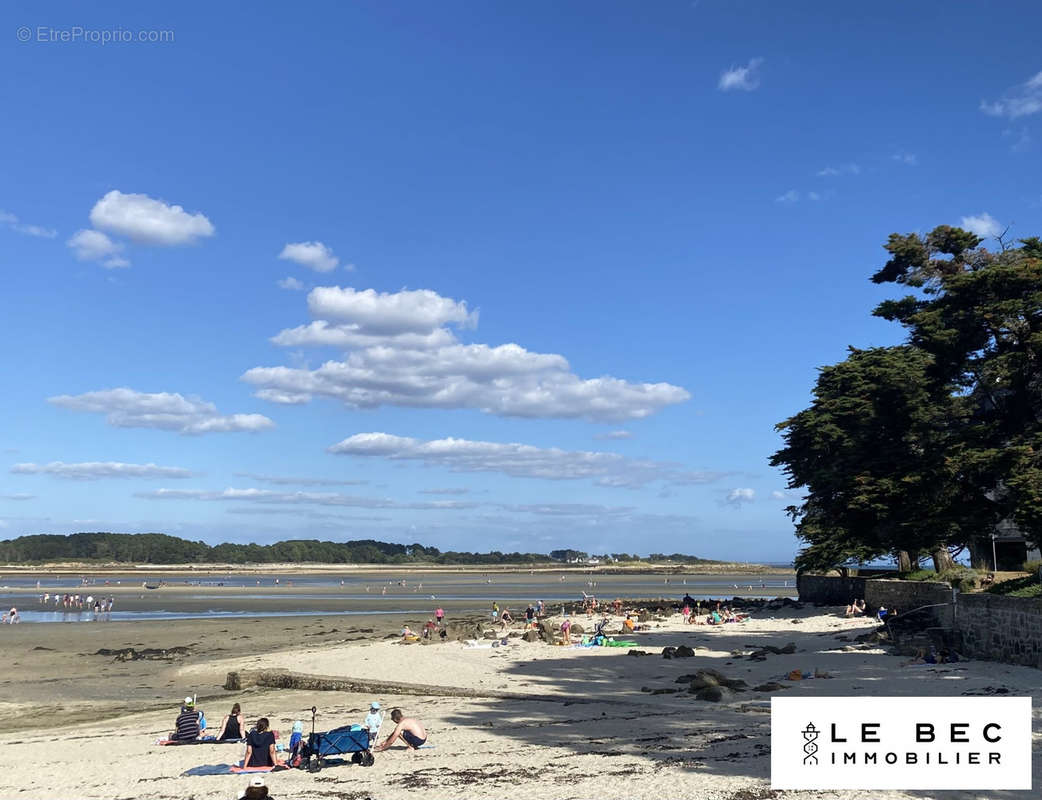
<point>409,729</point>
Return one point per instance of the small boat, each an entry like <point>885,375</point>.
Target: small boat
<point>151,586</point>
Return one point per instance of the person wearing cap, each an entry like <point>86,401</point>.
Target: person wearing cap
<point>256,790</point>
<point>187,727</point>
<point>373,721</point>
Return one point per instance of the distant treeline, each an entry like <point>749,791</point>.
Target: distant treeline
<point>159,548</point>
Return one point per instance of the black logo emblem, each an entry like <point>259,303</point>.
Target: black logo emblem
<point>810,747</point>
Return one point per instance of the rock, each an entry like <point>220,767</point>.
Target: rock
<point>770,686</point>
<point>632,652</point>
<point>797,621</point>
<point>577,629</point>
<point>712,677</point>
<point>490,635</point>
<point>668,652</point>
<point>789,649</point>
<point>547,632</point>
<point>232,683</point>
<point>703,681</point>
<point>712,694</point>
<point>530,636</point>
<point>683,651</point>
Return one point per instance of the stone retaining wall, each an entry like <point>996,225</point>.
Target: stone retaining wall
<point>987,626</point>
<point>998,628</point>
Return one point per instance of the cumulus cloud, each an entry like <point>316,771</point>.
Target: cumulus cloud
<point>614,435</point>
<point>389,313</point>
<point>842,169</point>
<point>790,197</point>
<point>1020,101</point>
<point>144,219</point>
<point>12,221</point>
<point>88,245</point>
<point>288,480</point>
<point>745,78</point>
<point>520,460</point>
<point>738,497</point>
<point>291,283</point>
<point>267,496</point>
<point>403,354</point>
<point>983,224</point>
<point>313,255</point>
<point>127,408</point>
<point>96,470</point>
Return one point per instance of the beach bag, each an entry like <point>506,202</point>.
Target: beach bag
<point>795,675</point>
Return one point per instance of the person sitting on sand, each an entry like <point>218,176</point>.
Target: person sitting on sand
<point>408,635</point>
<point>232,727</point>
<point>856,608</point>
<point>629,625</point>
<point>408,729</point>
<point>256,790</point>
<point>187,726</point>
<point>260,746</point>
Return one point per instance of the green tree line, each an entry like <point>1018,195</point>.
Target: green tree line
<point>159,548</point>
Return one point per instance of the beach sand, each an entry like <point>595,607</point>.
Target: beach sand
<point>588,729</point>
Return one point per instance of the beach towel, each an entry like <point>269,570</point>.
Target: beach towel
<point>204,740</point>
<point>276,768</point>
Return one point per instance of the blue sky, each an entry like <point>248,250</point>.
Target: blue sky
<point>479,275</point>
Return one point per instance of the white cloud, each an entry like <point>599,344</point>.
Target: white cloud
<point>88,245</point>
<point>1020,101</point>
<point>95,470</point>
<point>313,255</point>
<point>402,355</point>
<point>387,314</point>
<point>521,460</point>
<point>12,221</point>
<point>614,435</point>
<point>902,157</point>
<point>983,224</point>
<point>790,197</point>
<point>842,169</point>
<point>737,497</point>
<point>449,491</point>
<point>267,496</point>
<point>127,408</point>
<point>19,496</point>
<point>745,78</point>
<point>291,283</point>
<point>149,221</point>
<point>280,480</point>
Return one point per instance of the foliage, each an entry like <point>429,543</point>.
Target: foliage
<point>1032,566</point>
<point>1028,586</point>
<point>927,446</point>
<point>158,548</point>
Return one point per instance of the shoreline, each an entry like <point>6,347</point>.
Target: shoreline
<point>537,721</point>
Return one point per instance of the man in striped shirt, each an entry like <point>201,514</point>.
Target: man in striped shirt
<point>187,725</point>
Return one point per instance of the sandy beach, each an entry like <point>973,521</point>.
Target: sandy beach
<point>580,722</point>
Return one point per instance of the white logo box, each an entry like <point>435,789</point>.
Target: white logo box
<point>978,743</point>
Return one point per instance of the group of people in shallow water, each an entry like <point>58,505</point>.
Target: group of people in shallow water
<point>78,602</point>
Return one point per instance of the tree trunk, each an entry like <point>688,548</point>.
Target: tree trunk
<point>904,561</point>
<point>942,559</point>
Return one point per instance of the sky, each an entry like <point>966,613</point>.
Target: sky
<point>479,275</point>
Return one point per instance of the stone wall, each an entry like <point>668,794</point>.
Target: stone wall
<point>986,626</point>
<point>907,596</point>
<point>829,590</point>
<point>998,628</point>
